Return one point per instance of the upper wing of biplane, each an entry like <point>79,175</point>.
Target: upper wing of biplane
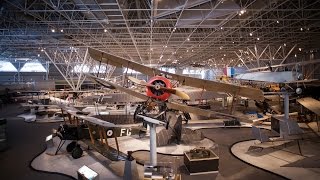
<point>170,105</point>
<point>107,58</point>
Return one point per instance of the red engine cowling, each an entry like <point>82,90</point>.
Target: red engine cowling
<point>158,93</point>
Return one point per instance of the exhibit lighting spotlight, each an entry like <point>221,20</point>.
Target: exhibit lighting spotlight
<point>295,55</point>
<point>188,39</point>
<point>53,30</point>
<point>258,39</point>
<point>300,49</point>
<point>277,22</point>
<point>301,29</point>
<point>105,30</point>
<point>284,44</point>
<point>174,29</point>
<point>61,30</point>
<point>250,34</point>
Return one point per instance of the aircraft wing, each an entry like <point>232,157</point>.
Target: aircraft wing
<point>302,81</point>
<point>116,86</point>
<point>195,110</point>
<point>73,111</point>
<point>107,58</point>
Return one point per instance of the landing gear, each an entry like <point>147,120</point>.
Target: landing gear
<point>77,152</point>
<point>71,146</point>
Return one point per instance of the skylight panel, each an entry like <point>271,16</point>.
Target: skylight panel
<point>33,66</point>
<point>79,68</point>
<point>130,71</point>
<point>6,66</point>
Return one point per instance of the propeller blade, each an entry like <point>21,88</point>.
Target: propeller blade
<point>176,92</point>
<point>137,81</point>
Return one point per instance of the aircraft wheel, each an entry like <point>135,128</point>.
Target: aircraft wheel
<point>71,146</point>
<point>77,152</point>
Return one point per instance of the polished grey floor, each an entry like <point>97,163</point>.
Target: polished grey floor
<point>230,167</point>
<point>25,142</point>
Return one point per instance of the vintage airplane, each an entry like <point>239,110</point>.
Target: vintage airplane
<point>172,113</point>
<point>208,85</point>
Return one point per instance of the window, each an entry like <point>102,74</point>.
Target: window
<point>130,71</point>
<point>80,68</point>
<point>169,70</point>
<point>6,66</point>
<point>33,66</point>
<point>198,73</point>
<point>102,69</point>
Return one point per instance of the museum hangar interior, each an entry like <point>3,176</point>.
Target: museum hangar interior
<point>159,89</point>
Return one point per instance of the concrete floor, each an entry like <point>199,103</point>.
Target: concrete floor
<point>25,141</point>
<point>230,167</point>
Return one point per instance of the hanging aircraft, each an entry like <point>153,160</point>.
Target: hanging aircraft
<point>274,77</point>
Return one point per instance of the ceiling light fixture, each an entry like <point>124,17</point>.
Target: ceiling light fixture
<point>61,30</point>
<point>242,11</point>
<point>105,30</point>
<point>53,30</point>
<point>250,34</point>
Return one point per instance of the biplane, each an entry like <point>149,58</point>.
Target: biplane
<point>208,85</point>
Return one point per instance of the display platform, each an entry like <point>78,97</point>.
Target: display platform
<point>201,161</point>
<point>134,143</point>
<point>285,159</point>
<point>64,163</point>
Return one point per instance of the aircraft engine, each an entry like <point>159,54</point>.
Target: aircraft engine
<point>156,90</point>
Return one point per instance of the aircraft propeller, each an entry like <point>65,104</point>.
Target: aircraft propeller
<point>158,86</point>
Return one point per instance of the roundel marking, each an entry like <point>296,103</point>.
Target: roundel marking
<point>109,132</point>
